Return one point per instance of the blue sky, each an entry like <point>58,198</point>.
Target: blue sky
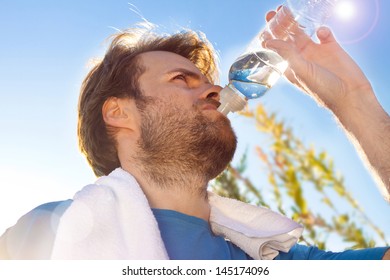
<point>44,52</point>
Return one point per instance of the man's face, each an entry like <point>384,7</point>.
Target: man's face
<point>169,76</point>
<point>181,130</point>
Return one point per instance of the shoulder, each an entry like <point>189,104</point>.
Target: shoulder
<point>33,235</point>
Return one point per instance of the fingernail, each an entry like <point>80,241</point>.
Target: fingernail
<point>268,45</point>
<point>323,31</point>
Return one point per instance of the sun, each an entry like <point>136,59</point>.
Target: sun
<point>345,9</point>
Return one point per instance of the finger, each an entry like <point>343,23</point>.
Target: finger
<point>284,24</point>
<point>284,27</point>
<point>303,73</point>
<point>264,37</point>
<point>270,15</point>
<point>325,35</point>
<point>289,53</point>
<point>283,48</point>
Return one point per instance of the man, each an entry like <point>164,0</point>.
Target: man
<point>150,129</point>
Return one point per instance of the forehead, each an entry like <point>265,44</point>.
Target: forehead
<point>162,62</point>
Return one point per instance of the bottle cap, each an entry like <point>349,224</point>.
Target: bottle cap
<point>231,100</point>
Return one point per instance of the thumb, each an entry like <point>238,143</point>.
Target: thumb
<point>325,35</point>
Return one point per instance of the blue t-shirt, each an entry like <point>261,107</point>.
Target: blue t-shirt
<point>190,238</point>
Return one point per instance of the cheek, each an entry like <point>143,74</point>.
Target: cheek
<point>182,99</point>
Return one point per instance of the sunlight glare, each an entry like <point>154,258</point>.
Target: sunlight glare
<point>345,10</point>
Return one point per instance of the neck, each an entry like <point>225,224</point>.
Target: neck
<point>185,194</point>
<point>180,201</point>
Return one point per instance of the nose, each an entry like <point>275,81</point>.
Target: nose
<point>212,92</point>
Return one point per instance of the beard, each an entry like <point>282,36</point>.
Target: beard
<point>178,146</point>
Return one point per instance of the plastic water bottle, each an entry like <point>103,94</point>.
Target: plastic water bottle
<point>258,69</point>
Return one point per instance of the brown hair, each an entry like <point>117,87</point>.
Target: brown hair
<point>117,76</point>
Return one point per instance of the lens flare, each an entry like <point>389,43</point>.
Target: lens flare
<point>345,10</point>
<point>354,20</point>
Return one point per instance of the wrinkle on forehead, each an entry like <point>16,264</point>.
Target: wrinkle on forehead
<point>167,60</point>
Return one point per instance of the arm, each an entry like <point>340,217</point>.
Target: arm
<point>328,74</point>
<point>387,255</point>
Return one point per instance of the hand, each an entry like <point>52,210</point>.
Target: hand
<point>328,74</point>
<point>323,70</point>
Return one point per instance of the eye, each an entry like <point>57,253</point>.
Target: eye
<point>180,77</point>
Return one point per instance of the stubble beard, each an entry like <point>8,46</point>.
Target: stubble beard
<point>181,148</point>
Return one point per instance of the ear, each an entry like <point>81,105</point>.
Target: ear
<point>119,112</point>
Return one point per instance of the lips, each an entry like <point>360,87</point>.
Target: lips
<point>209,104</point>
<point>209,107</point>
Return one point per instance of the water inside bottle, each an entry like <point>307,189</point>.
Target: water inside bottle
<point>254,73</point>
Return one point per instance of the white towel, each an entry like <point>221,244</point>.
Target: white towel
<point>260,232</point>
<point>112,219</point>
